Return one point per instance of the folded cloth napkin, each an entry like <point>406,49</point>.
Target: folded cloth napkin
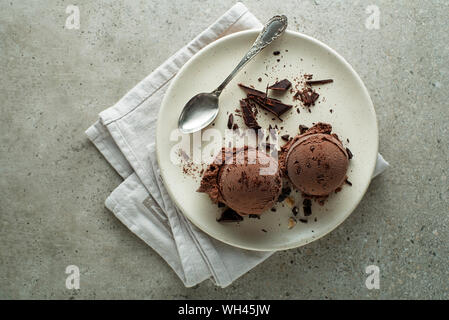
<point>125,135</point>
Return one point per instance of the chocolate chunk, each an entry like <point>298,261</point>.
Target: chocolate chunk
<point>230,121</point>
<point>273,209</point>
<point>307,211</point>
<point>307,207</point>
<point>282,85</point>
<point>253,91</point>
<point>260,79</point>
<point>276,53</point>
<point>348,182</point>
<point>285,137</point>
<point>248,115</point>
<point>235,126</point>
<point>295,211</point>
<point>302,129</point>
<point>230,215</point>
<point>272,105</point>
<point>318,82</point>
<point>303,220</point>
<point>350,155</point>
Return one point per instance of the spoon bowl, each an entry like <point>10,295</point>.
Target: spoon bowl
<point>198,113</point>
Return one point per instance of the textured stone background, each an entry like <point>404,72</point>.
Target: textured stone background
<point>53,181</point>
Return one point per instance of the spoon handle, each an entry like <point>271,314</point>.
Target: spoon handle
<point>271,31</point>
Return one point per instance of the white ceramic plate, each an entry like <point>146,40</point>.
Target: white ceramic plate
<point>353,118</point>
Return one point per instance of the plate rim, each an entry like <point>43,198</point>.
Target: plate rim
<point>227,38</point>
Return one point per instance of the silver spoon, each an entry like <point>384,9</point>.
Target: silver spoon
<point>202,109</point>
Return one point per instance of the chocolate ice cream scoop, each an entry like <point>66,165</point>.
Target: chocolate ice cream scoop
<point>250,184</point>
<point>315,161</point>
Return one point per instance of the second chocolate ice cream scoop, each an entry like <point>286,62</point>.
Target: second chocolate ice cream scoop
<point>316,163</point>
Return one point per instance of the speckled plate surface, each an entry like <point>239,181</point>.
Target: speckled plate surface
<point>353,118</point>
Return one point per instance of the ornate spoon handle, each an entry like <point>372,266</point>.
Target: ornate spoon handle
<point>271,31</point>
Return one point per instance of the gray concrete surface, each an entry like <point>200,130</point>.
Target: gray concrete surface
<point>53,182</point>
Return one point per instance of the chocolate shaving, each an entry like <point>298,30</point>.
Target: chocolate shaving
<point>254,216</point>
<point>348,182</point>
<point>303,220</point>
<point>253,91</point>
<point>307,211</point>
<point>295,211</point>
<point>285,137</point>
<point>235,126</point>
<point>248,115</point>
<point>230,121</point>
<point>350,155</point>
<point>230,215</point>
<point>318,82</point>
<point>276,53</point>
<point>307,96</point>
<point>282,85</point>
<point>314,96</point>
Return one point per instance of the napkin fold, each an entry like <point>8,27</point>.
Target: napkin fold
<point>125,135</point>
